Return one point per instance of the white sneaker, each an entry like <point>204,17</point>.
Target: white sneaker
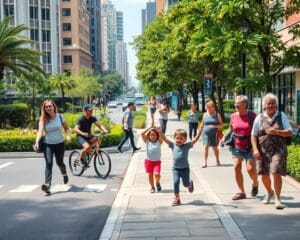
<point>278,204</point>
<point>268,197</point>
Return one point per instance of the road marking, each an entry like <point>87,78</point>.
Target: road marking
<point>6,164</point>
<point>95,188</point>
<point>60,188</point>
<point>24,188</point>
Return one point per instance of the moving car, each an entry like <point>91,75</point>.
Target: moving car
<point>112,104</point>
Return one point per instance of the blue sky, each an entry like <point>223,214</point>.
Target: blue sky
<point>132,26</point>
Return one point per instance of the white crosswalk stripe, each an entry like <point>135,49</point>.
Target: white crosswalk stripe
<point>94,188</point>
<point>24,188</point>
<point>6,164</point>
<point>58,188</point>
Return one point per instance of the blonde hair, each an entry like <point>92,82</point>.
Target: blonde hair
<point>210,103</point>
<point>44,115</point>
<point>180,132</point>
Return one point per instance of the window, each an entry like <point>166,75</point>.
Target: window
<point>47,58</point>
<point>67,27</point>
<point>45,14</point>
<point>46,36</point>
<point>66,12</point>
<point>9,10</point>
<point>67,41</point>
<point>34,12</point>
<point>68,59</point>
<point>34,34</point>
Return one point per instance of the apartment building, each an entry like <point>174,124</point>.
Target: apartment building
<point>42,19</point>
<point>75,36</point>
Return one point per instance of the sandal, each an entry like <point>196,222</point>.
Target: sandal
<point>239,196</point>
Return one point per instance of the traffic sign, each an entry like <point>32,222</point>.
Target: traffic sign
<point>208,77</point>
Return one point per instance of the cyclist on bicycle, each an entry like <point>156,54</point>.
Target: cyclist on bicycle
<point>83,130</point>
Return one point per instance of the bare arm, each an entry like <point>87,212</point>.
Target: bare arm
<point>254,147</point>
<point>220,122</point>
<point>196,138</point>
<point>78,131</point>
<point>144,133</point>
<point>166,140</point>
<point>39,133</point>
<point>101,127</point>
<point>67,130</point>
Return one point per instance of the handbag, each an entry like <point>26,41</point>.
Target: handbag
<point>219,135</point>
<point>229,139</point>
<point>41,145</point>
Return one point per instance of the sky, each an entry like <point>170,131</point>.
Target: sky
<point>132,27</point>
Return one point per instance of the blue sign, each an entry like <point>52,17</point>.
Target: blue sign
<point>208,83</point>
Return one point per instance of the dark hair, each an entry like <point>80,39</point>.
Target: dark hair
<point>156,132</point>
<point>130,104</point>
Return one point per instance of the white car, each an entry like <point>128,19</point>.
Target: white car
<point>112,104</point>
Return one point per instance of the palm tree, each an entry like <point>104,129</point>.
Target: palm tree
<point>14,54</point>
<point>62,82</point>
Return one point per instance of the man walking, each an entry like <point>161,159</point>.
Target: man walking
<point>127,128</point>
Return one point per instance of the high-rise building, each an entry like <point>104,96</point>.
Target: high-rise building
<point>94,8</point>
<point>42,19</point>
<point>160,6</point>
<point>104,44</point>
<point>108,11</point>
<point>75,20</point>
<point>170,3</point>
<point>148,14</point>
<point>120,28</point>
<point>121,59</point>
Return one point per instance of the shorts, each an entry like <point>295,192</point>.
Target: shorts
<point>152,166</point>
<point>152,110</point>
<point>81,139</point>
<point>244,154</point>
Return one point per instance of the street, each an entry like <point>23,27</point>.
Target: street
<point>77,210</point>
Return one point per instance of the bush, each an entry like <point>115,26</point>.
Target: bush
<point>18,140</point>
<point>139,119</point>
<point>293,163</point>
<point>13,115</point>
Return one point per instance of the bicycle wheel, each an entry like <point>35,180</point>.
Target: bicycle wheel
<point>75,164</point>
<point>102,164</point>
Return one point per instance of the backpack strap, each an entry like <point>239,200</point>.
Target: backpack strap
<point>251,118</point>
<point>60,117</point>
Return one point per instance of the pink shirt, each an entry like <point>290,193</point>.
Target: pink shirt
<point>240,124</point>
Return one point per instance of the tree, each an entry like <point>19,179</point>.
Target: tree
<point>112,84</point>
<point>29,89</point>
<point>15,55</point>
<point>62,83</point>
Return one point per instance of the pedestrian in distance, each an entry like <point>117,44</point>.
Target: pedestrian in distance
<point>153,107</point>
<point>179,111</point>
<point>163,110</point>
<point>193,120</point>
<point>269,133</point>
<point>83,129</point>
<point>127,123</point>
<point>240,127</point>
<point>153,138</point>
<point>180,150</point>
<point>211,122</point>
<point>51,123</point>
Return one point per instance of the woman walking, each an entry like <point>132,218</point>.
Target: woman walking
<point>269,133</point>
<point>52,123</point>
<point>209,126</point>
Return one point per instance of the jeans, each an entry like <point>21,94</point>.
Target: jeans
<point>183,173</point>
<point>58,150</point>
<point>128,134</point>
<point>163,125</point>
<point>193,129</point>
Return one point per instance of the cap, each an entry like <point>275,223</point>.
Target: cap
<point>88,107</point>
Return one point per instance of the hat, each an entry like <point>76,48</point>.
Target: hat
<point>88,107</point>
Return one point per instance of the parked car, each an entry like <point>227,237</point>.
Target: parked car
<point>112,104</point>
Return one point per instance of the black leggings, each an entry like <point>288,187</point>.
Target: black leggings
<point>193,129</point>
<point>58,150</point>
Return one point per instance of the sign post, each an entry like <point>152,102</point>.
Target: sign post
<point>208,78</point>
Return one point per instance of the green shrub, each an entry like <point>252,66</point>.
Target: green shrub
<point>293,163</point>
<point>139,119</point>
<point>21,141</point>
<point>13,115</point>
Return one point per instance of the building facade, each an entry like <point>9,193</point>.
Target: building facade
<point>42,19</point>
<point>287,84</point>
<point>75,21</point>
<point>94,8</point>
<point>148,14</point>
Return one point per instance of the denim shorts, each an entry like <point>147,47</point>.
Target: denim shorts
<point>244,154</point>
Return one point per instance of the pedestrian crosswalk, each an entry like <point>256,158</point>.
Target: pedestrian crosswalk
<point>55,188</point>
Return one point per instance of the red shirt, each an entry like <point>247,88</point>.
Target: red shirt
<point>240,124</point>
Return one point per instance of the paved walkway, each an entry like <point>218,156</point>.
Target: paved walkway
<point>208,213</point>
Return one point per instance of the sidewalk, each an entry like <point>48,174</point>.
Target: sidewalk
<point>208,213</point>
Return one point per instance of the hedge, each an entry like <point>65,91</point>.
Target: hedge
<point>293,163</point>
<point>22,141</point>
<point>13,115</point>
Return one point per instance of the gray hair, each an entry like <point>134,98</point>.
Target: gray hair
<point>269,96</point>
<point>242,98</point>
